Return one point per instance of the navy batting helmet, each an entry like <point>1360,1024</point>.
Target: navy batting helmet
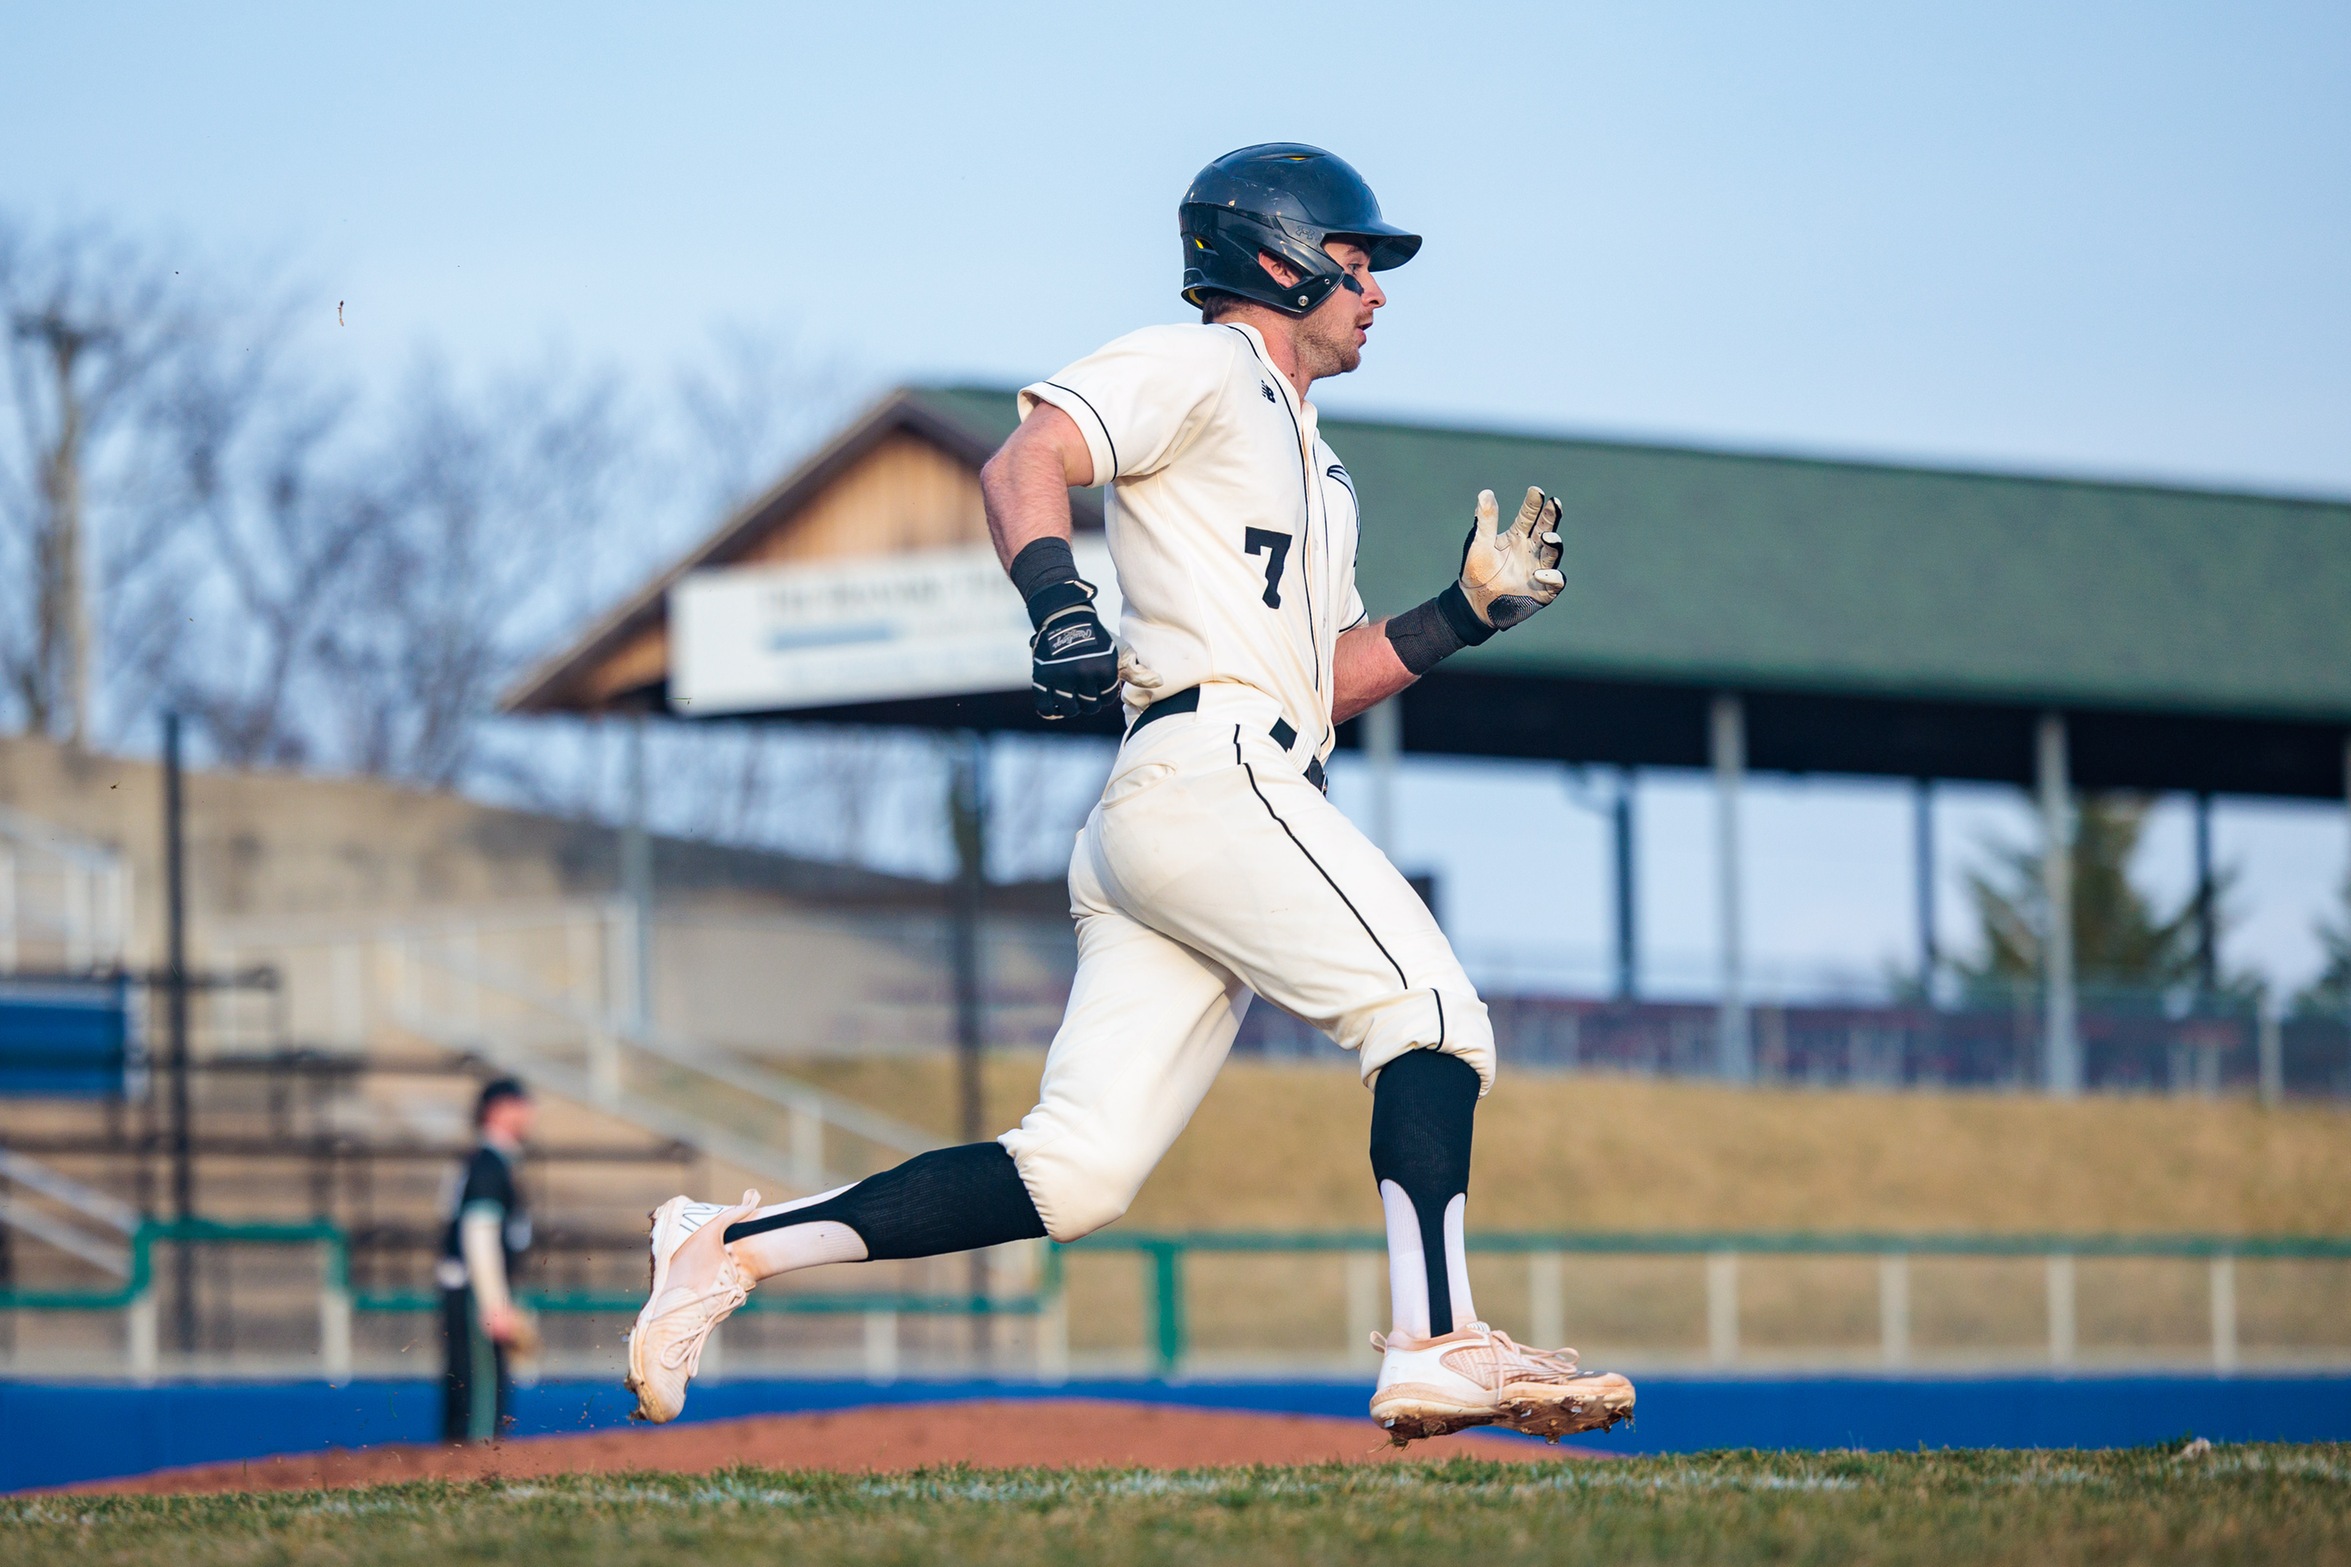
<point>1285,198</point>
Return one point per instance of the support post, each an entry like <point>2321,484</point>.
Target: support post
<point>2207,915</point>
<point>1722,1307</point>
<point>1930,955</point>
<point>636,883</point>
<point>881,1346</point>
<point>175,942</point>
<point>1383,742</point>
<point>1734,1051</point>
<point>1053,1342</point>
<point>966,815</point>
<point>2061,1308</point>
<point>2224,1313</point>
<point>1053,1339</point>
<point>1166,1259</point>
<point>967,819</point>
<point>2061,1060</point>
<point>139,1338</point>
<point>1628,975</point>
<point>334,1332</point>
<point>118,910</point>
<point>1894,1308</point>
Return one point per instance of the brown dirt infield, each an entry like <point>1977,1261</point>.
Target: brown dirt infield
<point>1045,1433</point>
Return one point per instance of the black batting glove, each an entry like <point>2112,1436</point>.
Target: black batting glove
<point>1073,668</point>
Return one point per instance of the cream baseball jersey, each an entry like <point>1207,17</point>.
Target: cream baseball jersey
<point>1231,524</point>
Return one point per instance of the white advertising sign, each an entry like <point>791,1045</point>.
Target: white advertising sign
<point>879,628</point>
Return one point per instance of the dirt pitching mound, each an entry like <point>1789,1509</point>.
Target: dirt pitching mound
<point>1046,1433</point>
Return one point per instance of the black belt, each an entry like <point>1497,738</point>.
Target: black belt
<point>1188,701</point>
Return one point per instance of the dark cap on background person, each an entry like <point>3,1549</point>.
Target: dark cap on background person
<point>495,1092</point>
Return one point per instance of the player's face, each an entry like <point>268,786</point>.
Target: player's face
<point>511,1120</point>
<point>1332,335</point>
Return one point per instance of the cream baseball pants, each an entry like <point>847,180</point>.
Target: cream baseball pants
<point>1210,870</point>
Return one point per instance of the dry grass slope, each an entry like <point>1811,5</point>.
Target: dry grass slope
<point>1281,1146</point>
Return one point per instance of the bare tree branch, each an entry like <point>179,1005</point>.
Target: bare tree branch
<point>94,325</point>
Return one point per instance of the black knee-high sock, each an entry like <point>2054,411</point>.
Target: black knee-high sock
<point>1422,1111</point>
<point>950,1199</point>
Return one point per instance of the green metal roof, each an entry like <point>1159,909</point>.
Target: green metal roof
<point>1693,567</point>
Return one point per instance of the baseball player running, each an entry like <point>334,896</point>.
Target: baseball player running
<point>1213,868</point>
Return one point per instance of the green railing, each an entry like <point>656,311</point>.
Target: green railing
<point>336,1277</point>
<point>141,1277</point>
<point>135,1297</point>
<point>811,1303</point>
<point>1163,1258</point>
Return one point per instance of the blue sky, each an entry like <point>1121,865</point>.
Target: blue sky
<point>2106,239</point>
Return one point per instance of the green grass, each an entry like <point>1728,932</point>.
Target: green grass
<point>2262,1504</point>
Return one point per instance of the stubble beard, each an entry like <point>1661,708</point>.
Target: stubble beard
<point>1329,351</point>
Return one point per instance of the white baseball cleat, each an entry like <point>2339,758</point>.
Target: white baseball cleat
<point>696,1285</point>
<point>1477,1376</point>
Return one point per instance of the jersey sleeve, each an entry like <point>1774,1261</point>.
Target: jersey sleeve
<point>1351,610</point>
<point>488,1184</point>
<point>1140,400</point>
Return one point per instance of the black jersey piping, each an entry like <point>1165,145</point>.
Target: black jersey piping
<point>1251,773</point>
<point>1107,438</point>
<point>1305,493</point>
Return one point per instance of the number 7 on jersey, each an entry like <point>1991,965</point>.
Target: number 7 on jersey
<point>1276,547</point>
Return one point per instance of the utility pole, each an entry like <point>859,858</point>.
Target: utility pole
<point>60,551</point>
<point>175,903</point>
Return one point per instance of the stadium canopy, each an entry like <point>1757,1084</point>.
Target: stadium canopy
<point>1867,619</point>
<point>1723,610</point>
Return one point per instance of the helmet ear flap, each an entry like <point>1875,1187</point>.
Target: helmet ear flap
<point>1317,273</point>
<point>1221,250</point>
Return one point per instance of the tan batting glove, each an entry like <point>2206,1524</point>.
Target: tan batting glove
<point>1507,576</point>
<point>1135,672</point>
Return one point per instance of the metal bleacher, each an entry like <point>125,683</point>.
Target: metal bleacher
<point>328,1074</point>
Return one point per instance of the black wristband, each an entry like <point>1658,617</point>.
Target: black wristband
<point>1427,634</point>
<point>1453,604</point>
<point>1042,565</point>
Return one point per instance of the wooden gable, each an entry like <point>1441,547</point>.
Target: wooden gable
<point>902,494</point>
<point>900,479</point>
